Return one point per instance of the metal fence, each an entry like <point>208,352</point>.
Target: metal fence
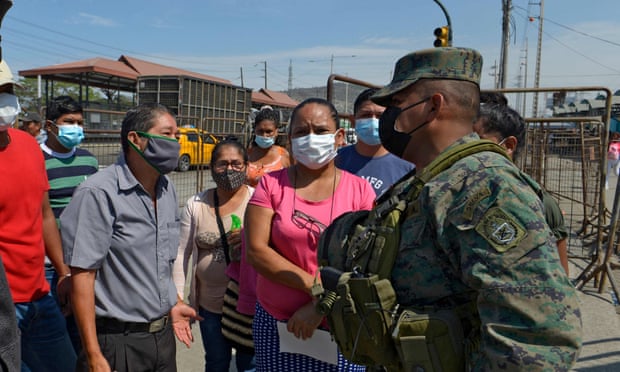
<point>106,147</point>
<point>565,155</point>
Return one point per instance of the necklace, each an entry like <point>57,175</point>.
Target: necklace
<point>305,221</point>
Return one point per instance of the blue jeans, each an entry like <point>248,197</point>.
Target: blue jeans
<point>44,340</point>
<point>74,333</point>
<point>217,349</point>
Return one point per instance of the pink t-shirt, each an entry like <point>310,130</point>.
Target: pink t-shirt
<point>297,243</point>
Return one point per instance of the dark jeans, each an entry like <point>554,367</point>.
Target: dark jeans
<point>44,340</point>
<point>136,351</point>
<point>72,329</point>
<point>217,349</point>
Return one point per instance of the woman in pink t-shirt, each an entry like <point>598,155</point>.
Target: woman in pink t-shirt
<point>284,219</point>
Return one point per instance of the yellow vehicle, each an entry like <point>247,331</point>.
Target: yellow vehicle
<point>196,148</point>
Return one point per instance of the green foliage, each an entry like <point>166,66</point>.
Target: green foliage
<point>96,97</point>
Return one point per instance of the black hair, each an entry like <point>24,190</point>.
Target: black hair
<point>363,97</point>
<point>267,114</point>
<point>319,101</point>
<point>501,119</point>
<point>232,142</point>
<point>141,118</point>
<point>493,97</point>
<point>60,106</point>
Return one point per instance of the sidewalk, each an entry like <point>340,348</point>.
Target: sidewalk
<point>601,333</point>
<point>601,327</point>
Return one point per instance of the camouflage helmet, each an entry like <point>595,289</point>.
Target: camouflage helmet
<point>436,63</point>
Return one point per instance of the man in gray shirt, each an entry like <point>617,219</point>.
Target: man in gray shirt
<point>120,235</point>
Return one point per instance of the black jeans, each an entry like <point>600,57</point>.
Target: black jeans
<point>136,351</point>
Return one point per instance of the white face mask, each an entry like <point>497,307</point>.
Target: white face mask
<point>314,150</point>
<point>9,109</point>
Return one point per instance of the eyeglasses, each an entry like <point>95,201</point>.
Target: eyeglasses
<point>223,165</point>
<point>305,222</point>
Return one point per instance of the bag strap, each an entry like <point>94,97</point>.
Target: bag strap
<point>220,226</point>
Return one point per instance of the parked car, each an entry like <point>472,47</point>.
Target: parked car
<point>196,148</point>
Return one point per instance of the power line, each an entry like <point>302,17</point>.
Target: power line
<point>581,54</point>
<point>574,30</point>
<point>583,33</point>
<point>123,51</point>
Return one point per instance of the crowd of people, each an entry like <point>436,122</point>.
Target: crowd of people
<point>104,271</point>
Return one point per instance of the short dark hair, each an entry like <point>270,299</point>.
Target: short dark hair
<point>493,97</point>
<point>141,118</point>
<point>267,114</point>
<point>499,118</point>
<point>60,106</point>
<point>231,142</point>
<point>363,97</point>
<point>319,101</point>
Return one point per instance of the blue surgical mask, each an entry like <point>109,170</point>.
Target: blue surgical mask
<point>264,142</point>
<point>69,135</point>
<point>367,131</point>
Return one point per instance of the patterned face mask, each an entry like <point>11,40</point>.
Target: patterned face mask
<point>229,180</point>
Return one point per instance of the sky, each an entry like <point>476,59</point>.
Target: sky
<point>362,39</point>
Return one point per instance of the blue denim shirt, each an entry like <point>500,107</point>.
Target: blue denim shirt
<point>111,225</point>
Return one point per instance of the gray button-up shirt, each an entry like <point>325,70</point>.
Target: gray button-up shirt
<point>111,225</point>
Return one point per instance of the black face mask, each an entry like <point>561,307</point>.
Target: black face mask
<point>394,141</point>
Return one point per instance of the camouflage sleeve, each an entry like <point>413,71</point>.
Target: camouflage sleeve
<point>495,232</point>
<point>554,216</point>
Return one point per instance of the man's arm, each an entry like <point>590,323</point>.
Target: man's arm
<point>53,250</point>
<point>83,299</point>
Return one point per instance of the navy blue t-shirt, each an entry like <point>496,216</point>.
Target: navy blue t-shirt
<point>380,172</point>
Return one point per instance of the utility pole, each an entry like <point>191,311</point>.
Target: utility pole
<point>495,75</point>
<point>524,78</point>
<point>503,62</point>
<point>265,62</point>
<point>331,65</point>
<point>290,75</point>
<point>241,69</point>
<point>538,52</point>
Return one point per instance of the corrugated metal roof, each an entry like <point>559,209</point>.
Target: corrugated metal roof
<point>98,72</point>
<point>272,98</point>
<point>146,68</point>
<point>104,73</point>
<point>96,65</point>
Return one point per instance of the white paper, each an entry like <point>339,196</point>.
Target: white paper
<point>320,346</point>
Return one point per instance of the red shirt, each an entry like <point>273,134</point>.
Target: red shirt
<point>22,186</point>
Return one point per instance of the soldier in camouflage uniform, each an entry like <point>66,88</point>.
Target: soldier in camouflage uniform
<point>478,230</point>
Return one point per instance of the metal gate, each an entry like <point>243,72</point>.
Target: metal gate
<point>568,156</point>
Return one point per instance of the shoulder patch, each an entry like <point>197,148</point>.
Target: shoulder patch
<point>500,229</point>
<point>473,200</point>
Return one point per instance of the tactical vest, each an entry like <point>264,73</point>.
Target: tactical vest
<point>356,254</point>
